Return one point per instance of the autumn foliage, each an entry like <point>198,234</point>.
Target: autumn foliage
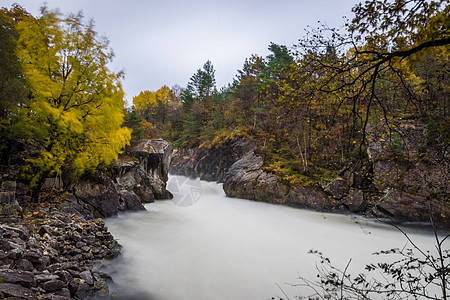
<point>72,116</point>
<point>309,106</point>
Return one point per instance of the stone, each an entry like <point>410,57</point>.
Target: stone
<point>44,229</point>
<point>401,206</point>
<point>22,189</point>
<point>64,275</point>
<point>101,288</point>
<point>100,194</point>
<point>40,278</point>
<point>242,176</point>
<point>132,202</point>
<point>53,285</point>
<point>338,188</point>
<point>22,278</point>
<point>9,186</point>
<point>310,197</point>
<point>59,297</point>
<point>83,291</point>
<point>144,193</point>
<point>127,181</point>
<point>87,277</point>
<point>24,265</point>
<point>5,245</point>
<point>15,290</point>
<point>156,154</point>
<point>209,163</point>
<point>64,292</point>
<point>7,197</point>
<point>245,179</point>
<point>355,201</point>
<point>409,166</point>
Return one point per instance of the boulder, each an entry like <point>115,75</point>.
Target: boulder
<point>15,290</point>
<point>309,197</point>
<point>131,201</point>
<point>410,166</point>
<point>23,278</point>
<point>53,285</point>
<point>9,185</point>
<point>155,156</point>
<point>100,193</point>
<point>338,188</point>
<point>211,162</point>
<point>355,201</point>
<point>245,179</point>
<point>52,183</point>
<point>146,173</point>
<point>402,206</point>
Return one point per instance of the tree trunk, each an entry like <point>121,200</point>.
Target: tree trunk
<point>37,189</point>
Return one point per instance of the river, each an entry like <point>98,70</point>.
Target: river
<point>203,245</point>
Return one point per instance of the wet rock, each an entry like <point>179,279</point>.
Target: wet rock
<point>64,275</point>
<point>144,193</point>
<point>410,166</point>
<point>156,155</point>
<point>87,277</point>
<point>44,230</point>
<point>55,261</point>
<point>83,291</point>
<point>17,231</point>
<point>5,245</point>
<point>60,297</point>
<point>52,183</point>
<point>101,288</point>
<point>132,202</point>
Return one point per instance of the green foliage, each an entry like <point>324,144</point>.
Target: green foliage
<point>12,86</point>
<point>133,121</point>
<point>202,84</point>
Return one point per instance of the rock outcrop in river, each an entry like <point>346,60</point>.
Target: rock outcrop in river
<point>209,163</point>
<point>405,178</point>
<point>138,177</point>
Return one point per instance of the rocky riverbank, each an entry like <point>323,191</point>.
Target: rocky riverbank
<point>404,177</point>
<point>55,249</point>
<point>54,255</point>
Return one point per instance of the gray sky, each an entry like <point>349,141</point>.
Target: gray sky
<point>164,42</point>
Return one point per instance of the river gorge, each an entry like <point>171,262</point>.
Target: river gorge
<point>204,245</point>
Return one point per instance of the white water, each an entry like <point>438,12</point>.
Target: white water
<point>227,248</point>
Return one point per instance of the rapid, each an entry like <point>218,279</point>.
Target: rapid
<point>204,245</point>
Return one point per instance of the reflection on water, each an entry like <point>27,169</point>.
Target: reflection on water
<point>225,248</point>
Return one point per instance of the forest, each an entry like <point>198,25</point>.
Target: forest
<point>309,107</point>
<point>368,100</point>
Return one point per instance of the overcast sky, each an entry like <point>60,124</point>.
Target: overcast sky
<point>164,42</point>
